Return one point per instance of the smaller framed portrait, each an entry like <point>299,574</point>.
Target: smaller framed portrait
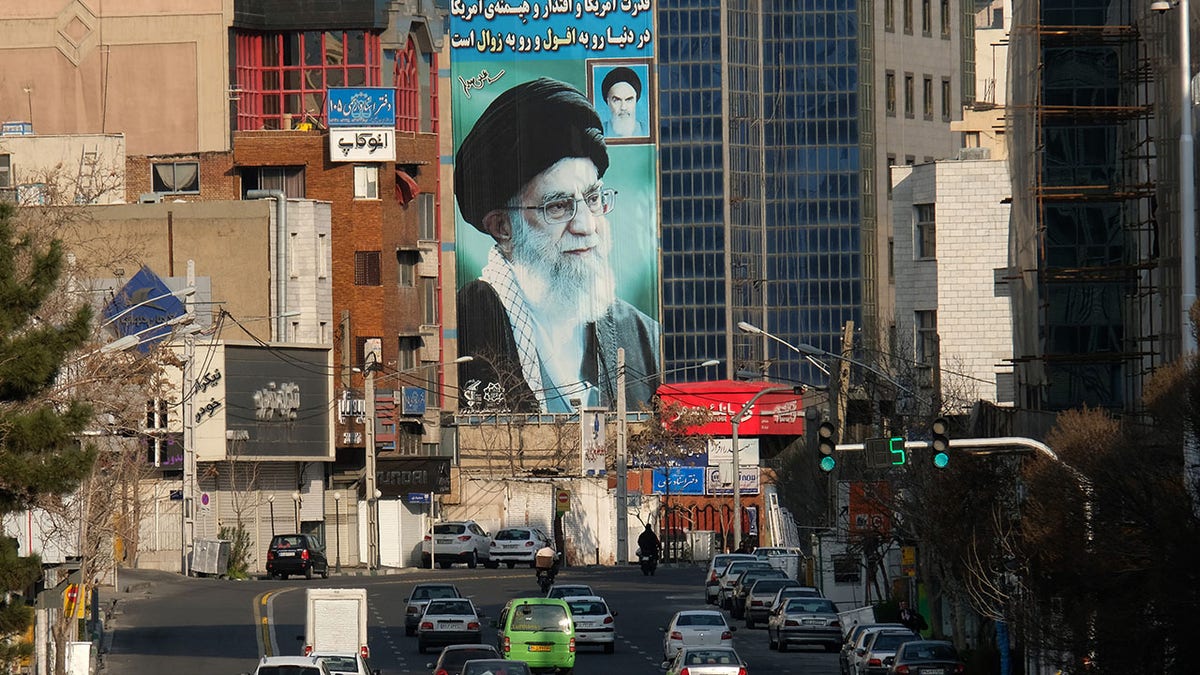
<point>622,90</point>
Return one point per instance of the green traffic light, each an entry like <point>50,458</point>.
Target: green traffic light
<point>827,463</point>
<point>941,459</point>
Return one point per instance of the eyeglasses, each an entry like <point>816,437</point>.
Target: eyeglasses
<point>557,211</point>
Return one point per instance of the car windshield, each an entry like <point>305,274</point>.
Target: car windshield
<point>453,659</point>
<point>430,592</point>
<point>763,586</point>
<point>340,664</point>
<point>540,618</point>
<point>890,641</point>
<point>699,657</point>
<point>449,528</point>
<point>449,607</point>
<point>588,607</point>
<point>565,591</point>
<point>295,541</point>
<point>513,535</point>
<point>810,606</point>
<point>495,668</point>
<point>706,619</point>
<point>288,670</point>
<point>928,652</point>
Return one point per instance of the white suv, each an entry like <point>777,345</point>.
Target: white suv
<point>290,665</point>
<point>459,541</point>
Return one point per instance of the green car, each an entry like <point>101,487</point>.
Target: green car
<point>538,631</point>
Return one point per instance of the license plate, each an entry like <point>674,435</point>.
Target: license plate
<point>287,554</point>
<point>814,622</point>
<point>449,624</point>
<point>539,648</point>
<point>444,541</point>
<point>933,671</point>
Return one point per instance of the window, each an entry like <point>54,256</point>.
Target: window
<point>322,255</point>
<point>927,17</point>
<point>945,18</point>
<point>323,333</point>
<point>289,179</point>
<point>889,15</point>
<point>407,348</point>
<point>175,177</point>
<point>427,217</point>
<point>908,16</point>
<point>407,442</point>
<point>408,88</point>
<point>908,95</point>
<point>293,268</point>
<point>927,97</point>
<point>366,182</point>
<point>926,338</point>
<point>429,301</point>
<point>282,77</point>
<point>845,569</point>
<point>157,414</point>
<point>926,231</point>
<point>946,99</point>
<point>891,161</point>
<point>909,160</point>
<point>889,88</point>
<point>891,260</point>
<point>6,171</point>
<point>366,268</point>
<point>406,268</point>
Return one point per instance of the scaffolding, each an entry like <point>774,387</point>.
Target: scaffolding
<point>1094,220</point>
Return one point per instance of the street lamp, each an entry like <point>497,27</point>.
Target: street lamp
<point>271,503</point>
<point>337,510</point>
<point>296,505</point>
<point>623,454</point>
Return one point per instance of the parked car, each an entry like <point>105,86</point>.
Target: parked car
<point>757,606</point>
<point>728,577</point>
<point>347,664</point>
<point>460,541</point>
<point>792,592</point>
<point>495,667</point>
<point>296,554</point>
<point>567,590</point>
<point>453,657</point>
<point>706,661</point>
<point>741,588</point>
<point>290,665</point>
<point>855,638</point>
<point>875,658</point>
<point>514,545</point>
<point>715,566</point>
<point>420,596</point>
<point>927,657</point>
<point>538,631</point>
<point>805,621</point>
<point>595,623</point>
<point>448,621</point>
<point>696,628</point>
<point>763,552</point>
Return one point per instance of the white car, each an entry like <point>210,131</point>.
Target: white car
<point>347,664</point>
<point>514,545</point>
<point>595,623</point>
<point>568,590</point>
<point>706,661</point>
<point>460,541</point>
<point>449,621</point>
<point>291,665</point>
<point>715,567</point>
<point>696,628</point>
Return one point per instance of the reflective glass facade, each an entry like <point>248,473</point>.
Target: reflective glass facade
<point>790,259</point>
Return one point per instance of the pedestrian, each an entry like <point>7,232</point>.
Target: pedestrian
<point>911,618</point>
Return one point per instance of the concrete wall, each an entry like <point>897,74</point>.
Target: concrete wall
<point>83,169</point>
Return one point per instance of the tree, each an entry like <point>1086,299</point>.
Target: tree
<point>40,452</point>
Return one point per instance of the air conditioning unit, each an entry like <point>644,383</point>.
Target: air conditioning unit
<point>149,198</point>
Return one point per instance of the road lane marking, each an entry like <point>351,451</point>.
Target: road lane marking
<point>264,619</point>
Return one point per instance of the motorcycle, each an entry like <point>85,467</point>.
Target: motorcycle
<point>545,579</point>
<point>648,562</point>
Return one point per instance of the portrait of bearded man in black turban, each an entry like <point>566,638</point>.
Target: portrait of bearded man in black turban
<point>543,321</point>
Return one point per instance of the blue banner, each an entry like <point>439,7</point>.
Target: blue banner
<point>414,401</point>
<point>362,107</point>
<point>142,308</point>
<point>684,480</point>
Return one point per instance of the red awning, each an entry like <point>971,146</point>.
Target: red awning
<point>406,187</point>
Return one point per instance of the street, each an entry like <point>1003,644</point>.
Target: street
<point>184,626</point>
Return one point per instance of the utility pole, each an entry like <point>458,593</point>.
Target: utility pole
<point>187,518</point>
<point>843,390</point>
<point>622,465</point>
<point>369,470</point>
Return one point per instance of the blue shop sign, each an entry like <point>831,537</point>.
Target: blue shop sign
<point>684,480</point>
<point>362,107</point>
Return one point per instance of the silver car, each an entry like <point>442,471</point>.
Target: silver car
<point>514,545</point>
<point>880,650</point>
<point>717,565</point>
<point>805,621</point>
<point>706,661</point>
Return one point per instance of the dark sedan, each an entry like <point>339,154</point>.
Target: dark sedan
<point>927,657</point>
<point>296,554</point>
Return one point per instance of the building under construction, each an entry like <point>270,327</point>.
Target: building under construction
<point>1094,237</point>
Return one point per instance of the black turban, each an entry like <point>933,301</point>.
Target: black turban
<point>621,74</point>
<point>525,131</point>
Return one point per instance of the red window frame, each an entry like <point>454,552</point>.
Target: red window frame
<point>406,79</point>
<point>282,76</point>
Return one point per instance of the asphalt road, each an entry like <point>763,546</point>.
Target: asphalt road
<point>164,623</point>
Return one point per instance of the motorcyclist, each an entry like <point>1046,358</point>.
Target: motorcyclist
<point>546,562</point>
<point>648,542</point>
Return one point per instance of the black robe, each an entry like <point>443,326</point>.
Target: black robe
<point>485,333</point>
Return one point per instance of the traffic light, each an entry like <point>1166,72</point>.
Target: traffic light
<point>941,442</point>
<point>826,444</point>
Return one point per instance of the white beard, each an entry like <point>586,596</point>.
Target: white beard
<point>561,286</point>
